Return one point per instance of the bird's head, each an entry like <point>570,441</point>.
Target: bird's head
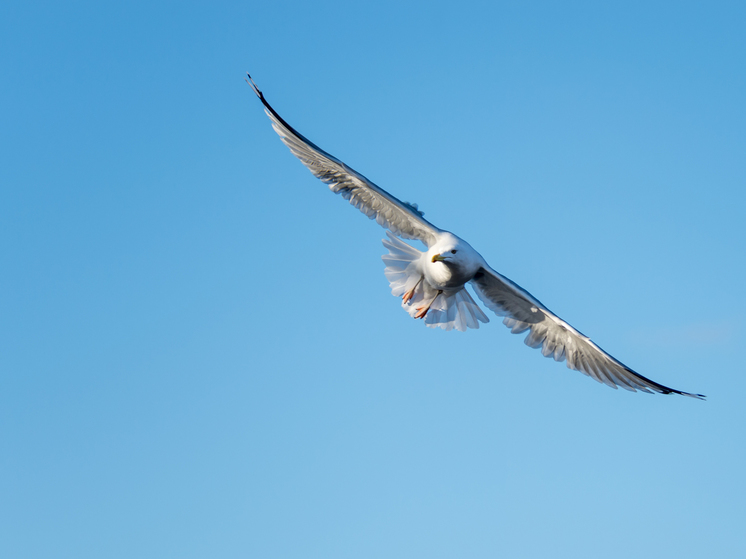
<point>447,256</point>
<point>456,255</point>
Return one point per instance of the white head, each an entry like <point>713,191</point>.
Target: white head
<point>456,254</point>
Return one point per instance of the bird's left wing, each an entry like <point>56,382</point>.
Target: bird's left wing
<point>400,218</point>
<point>555,337</point>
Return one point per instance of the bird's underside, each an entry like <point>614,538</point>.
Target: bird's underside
<point>432,283</point>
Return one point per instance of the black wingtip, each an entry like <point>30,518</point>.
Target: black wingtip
<point>253,86</point>
<point>697,396</point>
<point>661,389</point>
<point>267,106</point>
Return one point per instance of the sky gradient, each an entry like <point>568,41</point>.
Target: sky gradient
<point>199,352</point>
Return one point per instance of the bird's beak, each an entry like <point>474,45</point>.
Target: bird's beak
<point>438,258</point>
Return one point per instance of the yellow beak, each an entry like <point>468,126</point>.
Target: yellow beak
<point>438,258</point>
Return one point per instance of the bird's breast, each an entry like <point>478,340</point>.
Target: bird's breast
<point>445,276</point>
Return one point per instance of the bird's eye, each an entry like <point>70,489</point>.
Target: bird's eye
<point>453,251</point>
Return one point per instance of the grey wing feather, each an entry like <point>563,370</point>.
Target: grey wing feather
<point>399,217</point>
<point>556,338</point>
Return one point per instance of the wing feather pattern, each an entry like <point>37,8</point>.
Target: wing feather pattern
<point>556,338</point>
<point>400,218</point>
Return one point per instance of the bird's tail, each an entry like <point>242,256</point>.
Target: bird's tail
<point>401,265</point>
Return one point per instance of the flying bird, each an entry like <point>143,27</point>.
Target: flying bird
<point>432,284</point>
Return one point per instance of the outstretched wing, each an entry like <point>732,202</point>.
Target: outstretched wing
<point>400,218</point>
<point>556,338</point>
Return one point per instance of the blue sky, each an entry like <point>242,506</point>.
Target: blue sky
<point>200,355</point>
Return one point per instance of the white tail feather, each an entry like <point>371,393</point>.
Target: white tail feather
<point>456,310</point>
<point>401,265</point>
<point>449,310</point>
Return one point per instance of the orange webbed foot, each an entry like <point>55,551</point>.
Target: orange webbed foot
<point>421,312</point>
<point>407,297</point>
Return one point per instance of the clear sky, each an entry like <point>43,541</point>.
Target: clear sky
<point>199,352</point>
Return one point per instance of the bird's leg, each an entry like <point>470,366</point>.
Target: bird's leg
<point>409,294</point>
<point>422,311</point>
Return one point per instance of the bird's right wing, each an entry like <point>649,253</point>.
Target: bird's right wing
<point>556,338</point>
<point>400,218</point>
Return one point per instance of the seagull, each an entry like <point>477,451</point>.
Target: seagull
<point>432,284</point>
